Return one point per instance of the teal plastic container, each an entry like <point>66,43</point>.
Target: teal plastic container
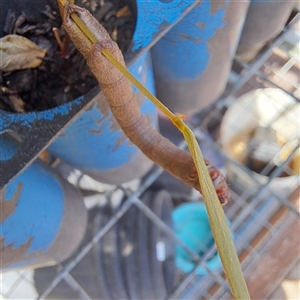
<point>191,224</point>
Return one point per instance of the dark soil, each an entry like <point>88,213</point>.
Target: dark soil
<point>63,75</point>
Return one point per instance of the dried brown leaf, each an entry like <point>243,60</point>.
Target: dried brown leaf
<point>17,103</point>
<point>123,12</point>
<point>18,52</point>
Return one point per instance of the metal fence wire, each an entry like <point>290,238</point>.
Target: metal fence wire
<point>129,248</point>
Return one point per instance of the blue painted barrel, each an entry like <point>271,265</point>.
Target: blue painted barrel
<point>95,143</point>
<point>43,217</point>
<point>265,19</point>
<point>192,61</point>
<point>191,225</point>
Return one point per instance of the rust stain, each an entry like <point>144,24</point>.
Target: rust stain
<point>169,40</point>
<point>186,37</point>
<point>95,131</point>
<point>10,205</point>
<point>10,255</point>
<point>200,24</point>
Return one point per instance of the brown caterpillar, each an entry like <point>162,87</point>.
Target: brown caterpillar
<point>118,92</point>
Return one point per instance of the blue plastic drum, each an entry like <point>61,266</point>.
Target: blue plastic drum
<point>96,144</point>
<point>264,20</point>
<point>43,217</point>
<point>192,61</point>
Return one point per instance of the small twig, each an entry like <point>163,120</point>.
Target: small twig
<point>63,45</point>
<point>57,37</point>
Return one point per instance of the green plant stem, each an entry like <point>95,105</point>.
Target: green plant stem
<point>218,222</point>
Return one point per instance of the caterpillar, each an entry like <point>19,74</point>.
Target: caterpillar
<point>118,92</point>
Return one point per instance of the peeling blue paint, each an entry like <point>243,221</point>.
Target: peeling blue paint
<point>91,142</point>
<point>151,15</point>
<point>26,119</point>
<point>81,146</point>
<point>183,53</point>
<point>39,209</point>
